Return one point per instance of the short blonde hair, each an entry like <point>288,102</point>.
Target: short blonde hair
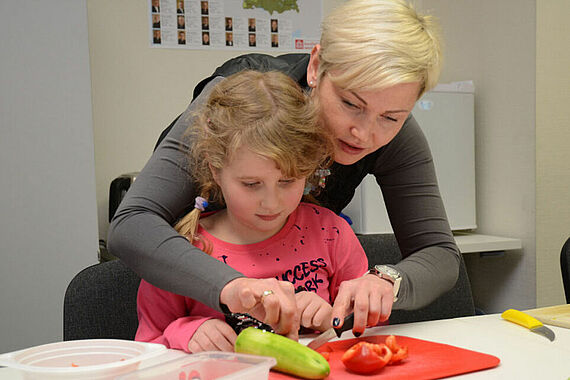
<point>374,44</point>
<point>266,112</point>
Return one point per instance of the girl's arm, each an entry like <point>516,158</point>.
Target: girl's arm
<point>163,318</point>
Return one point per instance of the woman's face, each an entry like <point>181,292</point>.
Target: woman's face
<point>362,121</point>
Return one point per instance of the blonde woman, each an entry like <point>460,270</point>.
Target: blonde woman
<point>374,60</point>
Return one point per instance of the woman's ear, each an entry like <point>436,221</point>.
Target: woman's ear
<point>313,68</point>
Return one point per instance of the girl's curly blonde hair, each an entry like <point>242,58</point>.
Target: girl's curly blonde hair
<point>269,114</point>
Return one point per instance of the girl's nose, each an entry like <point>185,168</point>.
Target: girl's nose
<point>270,200</point>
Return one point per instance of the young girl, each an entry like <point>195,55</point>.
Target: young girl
<point>256,147</point>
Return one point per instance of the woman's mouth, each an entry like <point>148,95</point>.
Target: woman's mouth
<point>350,149</point>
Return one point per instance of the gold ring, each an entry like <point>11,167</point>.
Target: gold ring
<point>266,293</point>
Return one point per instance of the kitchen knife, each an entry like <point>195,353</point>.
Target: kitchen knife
<point>529,322</point>
<point>332,333</point>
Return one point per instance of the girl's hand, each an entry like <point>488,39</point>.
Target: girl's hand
<point>315,311</point>
<point>278,309</point>
<point>213,335</point>
<point>369,296</point>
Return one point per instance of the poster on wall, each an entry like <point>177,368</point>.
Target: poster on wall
<point>268,25</point>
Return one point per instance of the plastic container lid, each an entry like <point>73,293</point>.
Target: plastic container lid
<point>81,359</point>
<point>208,366</point>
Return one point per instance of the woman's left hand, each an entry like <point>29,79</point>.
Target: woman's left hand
<point>369,296</point>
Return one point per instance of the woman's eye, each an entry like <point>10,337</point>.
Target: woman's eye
<point>250,184</point>
<point>287,181</point>
<point>350,104</point>
<point>390,119</point>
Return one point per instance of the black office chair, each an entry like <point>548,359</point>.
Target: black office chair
<point>457,302</point>
<point>100,301</point>
<point>565,268</point>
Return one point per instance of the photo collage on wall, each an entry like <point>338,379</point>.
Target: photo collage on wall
<point>287,25</point>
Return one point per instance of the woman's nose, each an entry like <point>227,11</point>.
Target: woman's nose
<point>362,129</point>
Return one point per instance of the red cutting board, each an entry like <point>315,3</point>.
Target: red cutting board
<point>426,360</point>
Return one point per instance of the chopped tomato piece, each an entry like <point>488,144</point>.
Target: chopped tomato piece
<point>399,353</point>
<point>366,357</point>
<point>74,365</point>
<point>326,355</point>
<point>194,375</point>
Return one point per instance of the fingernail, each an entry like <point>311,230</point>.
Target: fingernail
<point>336,322</point>
<point>357,334</point>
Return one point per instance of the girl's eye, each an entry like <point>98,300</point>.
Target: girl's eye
<point>250,184</point>
<point>287,181</point>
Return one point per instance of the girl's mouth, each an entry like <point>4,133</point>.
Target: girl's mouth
<point>268,218</point>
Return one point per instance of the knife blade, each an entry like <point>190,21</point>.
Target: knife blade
<point>529,322</point>
<point>332,333</point>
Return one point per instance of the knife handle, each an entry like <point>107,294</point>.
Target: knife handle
<point>521,318</point>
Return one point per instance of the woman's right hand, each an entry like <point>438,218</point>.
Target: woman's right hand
<point>278,309</point>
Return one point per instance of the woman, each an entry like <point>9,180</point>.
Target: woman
<point>374,60</point>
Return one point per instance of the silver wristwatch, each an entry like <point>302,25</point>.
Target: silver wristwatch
<point>389,274</point>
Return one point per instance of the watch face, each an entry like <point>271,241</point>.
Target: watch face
<point>388,270</point>
<point>392,271</point>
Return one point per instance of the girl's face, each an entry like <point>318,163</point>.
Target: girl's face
<point>259,198</point>
<point>361,121</point>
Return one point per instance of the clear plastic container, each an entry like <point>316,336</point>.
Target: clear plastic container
<point>208,366</point>
<point>81,359</point>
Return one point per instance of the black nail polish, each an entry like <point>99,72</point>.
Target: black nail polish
<point>336,322</point>
<point>357,334</point>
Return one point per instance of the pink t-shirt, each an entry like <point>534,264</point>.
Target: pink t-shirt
<point>316,250</point>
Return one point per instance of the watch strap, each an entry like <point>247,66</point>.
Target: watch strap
<point>395,279</point>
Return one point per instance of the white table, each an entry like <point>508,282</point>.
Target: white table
<point>523,354</point>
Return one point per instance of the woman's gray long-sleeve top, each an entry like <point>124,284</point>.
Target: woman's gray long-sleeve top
<point>141,234</point>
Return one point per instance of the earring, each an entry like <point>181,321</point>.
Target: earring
<point>311,83</point>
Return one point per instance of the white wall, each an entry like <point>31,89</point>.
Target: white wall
<point>493,43</point>
<point>516,52</point>
<point>552,150</point>
<point>48,227</point>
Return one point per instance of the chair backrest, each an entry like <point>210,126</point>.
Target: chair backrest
<point>457,302</point>
<point>565,268</point>
<point>101,302</point>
